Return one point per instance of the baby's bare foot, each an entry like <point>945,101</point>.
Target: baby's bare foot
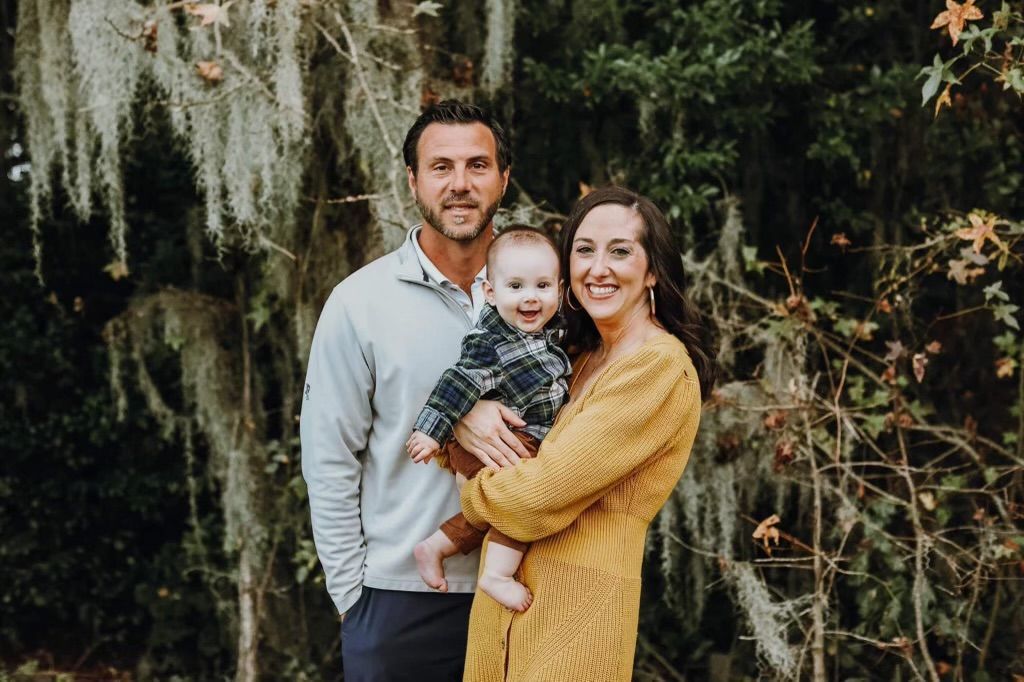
<point>430,555</point>
<point>507,591</point>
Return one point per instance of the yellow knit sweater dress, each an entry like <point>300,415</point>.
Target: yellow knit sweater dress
<point>585,502</point>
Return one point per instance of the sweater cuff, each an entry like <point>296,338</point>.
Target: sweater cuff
<point>471,490</point>
<point>434,424</point>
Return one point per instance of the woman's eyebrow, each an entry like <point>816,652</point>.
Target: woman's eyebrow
<point>620,240</point>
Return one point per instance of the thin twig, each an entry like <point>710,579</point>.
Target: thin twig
<point>361,75</point>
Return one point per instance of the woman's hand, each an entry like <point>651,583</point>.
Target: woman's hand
<point>485,434</point>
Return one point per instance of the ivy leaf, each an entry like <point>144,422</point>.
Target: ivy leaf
<point>1004,313</point>
<point>874,425</point>
<point>931,86</point>
<point>750,261</point>
<point>1014,78</point>
<point>969,255</point>
<point>427,7</point>
<point>1001,17</point>
<point>973,33</point>
<point>1007,343</point>
<point>938,73</point>
<point>850,328</point>
<point>995,290</point>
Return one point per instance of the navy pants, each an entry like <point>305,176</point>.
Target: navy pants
<point>391,636</point>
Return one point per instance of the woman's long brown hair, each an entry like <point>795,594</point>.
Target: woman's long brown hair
<point>673,308</point>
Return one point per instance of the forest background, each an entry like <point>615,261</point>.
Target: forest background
<point>185,182</point>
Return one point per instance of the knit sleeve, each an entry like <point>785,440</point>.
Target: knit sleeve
<point>632,413</point>
<point>477,372</point>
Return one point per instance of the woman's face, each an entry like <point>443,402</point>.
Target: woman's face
<point>608,269</point>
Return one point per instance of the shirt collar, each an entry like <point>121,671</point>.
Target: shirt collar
<point>432,272</point>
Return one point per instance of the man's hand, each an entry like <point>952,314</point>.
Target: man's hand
<point>485,434</point>
<point>421,447</point>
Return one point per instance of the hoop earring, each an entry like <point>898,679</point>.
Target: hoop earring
<point>568,301</point>
<point>654,310</point>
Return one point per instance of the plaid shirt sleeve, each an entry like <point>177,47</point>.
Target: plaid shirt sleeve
<point>477,372</point>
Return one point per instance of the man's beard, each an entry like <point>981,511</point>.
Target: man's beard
<point>434,220</point>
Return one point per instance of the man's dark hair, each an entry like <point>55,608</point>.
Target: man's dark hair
<point>454,112</point>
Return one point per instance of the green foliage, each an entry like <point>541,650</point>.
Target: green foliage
<point>73,474</point>
<point>667,97</point>
<point>749,121</point>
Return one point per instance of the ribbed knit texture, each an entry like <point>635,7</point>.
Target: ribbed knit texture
<point>603,472</point>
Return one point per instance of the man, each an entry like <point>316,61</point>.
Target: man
<point>385,335</point>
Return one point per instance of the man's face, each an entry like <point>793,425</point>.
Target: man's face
<point>457,184</point>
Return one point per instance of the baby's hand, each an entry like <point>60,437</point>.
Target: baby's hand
<point>421,447</point>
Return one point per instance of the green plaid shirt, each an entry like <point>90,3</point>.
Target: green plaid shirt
<point>526,372</point>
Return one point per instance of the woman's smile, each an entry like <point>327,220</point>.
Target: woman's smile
<point>601,290</point>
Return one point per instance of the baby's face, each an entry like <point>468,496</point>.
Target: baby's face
<point>523,285</point>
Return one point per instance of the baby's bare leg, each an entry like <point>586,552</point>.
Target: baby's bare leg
<point>430,555</point>
<point>497,579</point>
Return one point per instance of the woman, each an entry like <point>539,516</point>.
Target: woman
<point>609,463</point>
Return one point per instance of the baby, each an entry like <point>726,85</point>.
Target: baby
<point>509,357</point>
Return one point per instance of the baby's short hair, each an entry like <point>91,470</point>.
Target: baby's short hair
<point>517,235</point>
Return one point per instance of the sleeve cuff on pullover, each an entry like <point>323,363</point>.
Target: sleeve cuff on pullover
<point>434,424</point>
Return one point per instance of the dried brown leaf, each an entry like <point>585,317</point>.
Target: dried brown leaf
<point>211,72</point>
<point>981,229</point>
<point>841,240</point>
<point>117,270</point>
<point>896,351</point>
<point>766,531</point>
<point>1005,367</point>
<point>919,362</point>
<point>210,13</point>
<point>955,16</point>
<point>944,98</point>
<point>783,454</point>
